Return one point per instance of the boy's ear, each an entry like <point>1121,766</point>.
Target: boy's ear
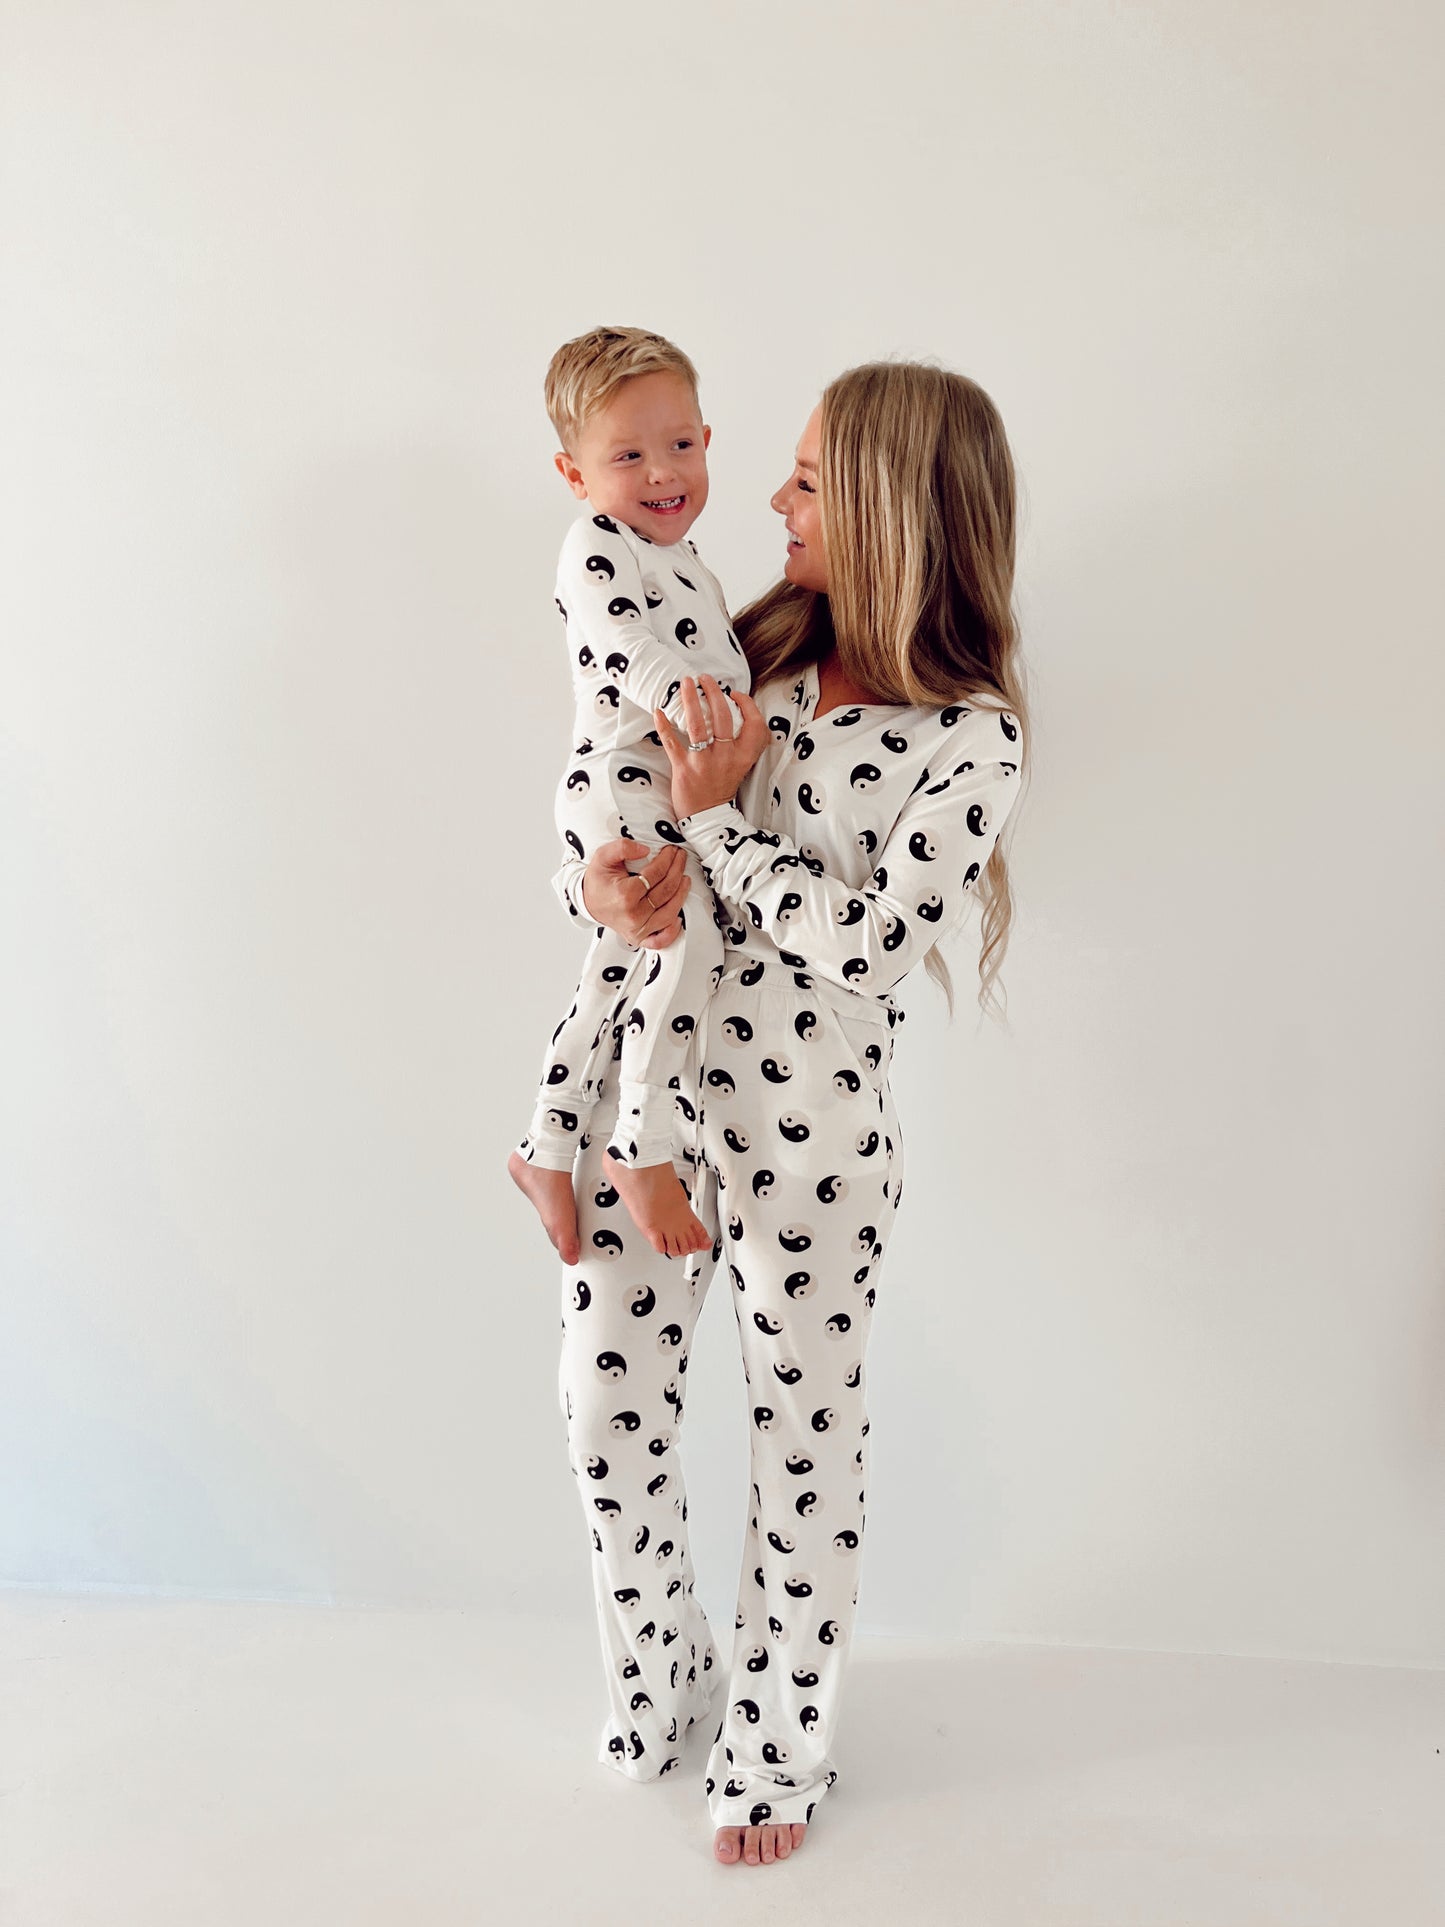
<point>571,474</point>
<point>706,434</point>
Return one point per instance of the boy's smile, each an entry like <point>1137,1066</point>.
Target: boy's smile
<point>642,459</point>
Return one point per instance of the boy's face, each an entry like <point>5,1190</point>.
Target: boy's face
<point>643,458</point>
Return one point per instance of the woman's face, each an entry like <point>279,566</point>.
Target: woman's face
<point>797,502</point>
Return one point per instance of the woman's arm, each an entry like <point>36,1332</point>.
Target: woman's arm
<point>868,939</point>
<point>616,896</point>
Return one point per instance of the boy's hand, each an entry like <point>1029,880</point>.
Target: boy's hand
<point>640,906</point>
<point>702,777</point>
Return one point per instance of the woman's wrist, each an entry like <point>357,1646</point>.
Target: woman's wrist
<point>708,816</point>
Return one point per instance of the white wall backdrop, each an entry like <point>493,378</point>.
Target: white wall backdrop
<point>1159,1357</point>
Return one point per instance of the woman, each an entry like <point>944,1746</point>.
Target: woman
<point>842,832</point>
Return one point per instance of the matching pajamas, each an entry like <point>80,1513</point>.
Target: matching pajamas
<point>851,848</point>
<point>641,616</point>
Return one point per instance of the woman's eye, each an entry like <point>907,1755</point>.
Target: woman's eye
<point>806,487</point>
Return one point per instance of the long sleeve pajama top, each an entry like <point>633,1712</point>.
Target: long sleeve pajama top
<point>854,840</point>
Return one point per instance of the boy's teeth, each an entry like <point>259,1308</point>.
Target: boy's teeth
<point>666,502</point>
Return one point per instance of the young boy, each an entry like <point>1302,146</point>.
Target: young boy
<point>642,613</point>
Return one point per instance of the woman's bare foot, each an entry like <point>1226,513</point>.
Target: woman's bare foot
<point>657,1203</point>
<point>755,1844</point>
<point>556,1205</point>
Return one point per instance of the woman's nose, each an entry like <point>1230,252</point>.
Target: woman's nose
<point>780,500</point>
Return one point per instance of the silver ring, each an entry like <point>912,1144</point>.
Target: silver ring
<point>707,745</point>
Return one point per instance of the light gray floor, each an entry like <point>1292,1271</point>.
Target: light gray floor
<point>284,1766</point>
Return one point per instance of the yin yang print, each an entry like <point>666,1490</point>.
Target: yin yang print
<point>638,618</point>
<point>861,842</point>
<point>796,1168</point>
<point>854,843</point>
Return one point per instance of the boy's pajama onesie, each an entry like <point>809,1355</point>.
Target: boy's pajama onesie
<point>641,616</point>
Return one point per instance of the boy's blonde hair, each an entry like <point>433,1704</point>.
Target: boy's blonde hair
<point>584,374</point>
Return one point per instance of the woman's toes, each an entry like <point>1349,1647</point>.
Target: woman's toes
<point>759,1846</point>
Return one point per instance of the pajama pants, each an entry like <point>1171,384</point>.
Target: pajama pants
<point>795,1163</point>
<point>656,995</point>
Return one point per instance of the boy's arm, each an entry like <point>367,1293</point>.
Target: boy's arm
<point>609,623</point>
<point>568,885</point>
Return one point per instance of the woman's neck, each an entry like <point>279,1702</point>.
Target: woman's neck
<point>835,690</point>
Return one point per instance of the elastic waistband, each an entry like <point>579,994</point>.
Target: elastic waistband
<point>760,974</point>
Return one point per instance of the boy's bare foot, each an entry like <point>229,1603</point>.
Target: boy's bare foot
<point>755,1844</point>
<point>556,1205</point>
<point>656,1201</point>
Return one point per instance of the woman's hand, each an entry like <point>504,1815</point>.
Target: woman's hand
<point>704,776</point>
<point>641,907</point>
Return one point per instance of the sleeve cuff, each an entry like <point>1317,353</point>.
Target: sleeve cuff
<point>704,827</point>
<point>563,882</point>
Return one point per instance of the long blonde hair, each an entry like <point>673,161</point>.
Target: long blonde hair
<point>916,501</point>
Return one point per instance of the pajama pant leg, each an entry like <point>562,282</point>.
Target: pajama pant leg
<point>799,1130</point>
<point>808,1156</point>
<point>628,1315</point>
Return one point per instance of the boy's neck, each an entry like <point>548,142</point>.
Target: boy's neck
<point>642,534</point>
